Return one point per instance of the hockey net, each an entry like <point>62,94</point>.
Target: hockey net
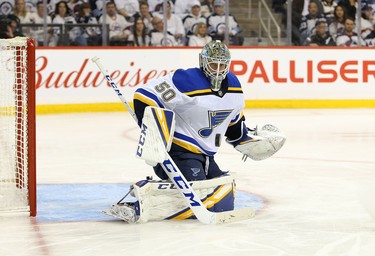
<point>17,126</point>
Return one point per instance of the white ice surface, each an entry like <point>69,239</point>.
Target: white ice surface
<point>319,190</point>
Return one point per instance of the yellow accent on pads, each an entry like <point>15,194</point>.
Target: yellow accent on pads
<point>161,117</point>
<point>217,196</point>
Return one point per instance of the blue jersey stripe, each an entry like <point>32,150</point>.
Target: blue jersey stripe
<point>151,96</point>
<point>192,141</point>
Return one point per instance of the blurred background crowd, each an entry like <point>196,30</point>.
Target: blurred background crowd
<point>190,22</point>
<point>329,22</point>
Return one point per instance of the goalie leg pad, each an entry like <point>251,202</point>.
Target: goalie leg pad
<point>160,200</point>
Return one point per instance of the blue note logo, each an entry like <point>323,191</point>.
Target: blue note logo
<point>195,171</point>
<point>215,118</point>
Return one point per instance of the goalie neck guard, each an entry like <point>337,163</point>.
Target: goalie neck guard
<point>214,60</point>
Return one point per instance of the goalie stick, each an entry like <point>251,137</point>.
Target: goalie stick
<point>200,211</point>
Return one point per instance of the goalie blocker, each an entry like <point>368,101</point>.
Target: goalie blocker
<point>156,135</point>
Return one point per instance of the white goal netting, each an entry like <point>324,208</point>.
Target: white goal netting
<point>14,136</point>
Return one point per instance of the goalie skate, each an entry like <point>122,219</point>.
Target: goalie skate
<point>125,212</point>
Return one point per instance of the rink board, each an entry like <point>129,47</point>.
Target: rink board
<point>282,77</point>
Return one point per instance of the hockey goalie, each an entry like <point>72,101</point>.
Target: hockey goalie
<point>183,117</point>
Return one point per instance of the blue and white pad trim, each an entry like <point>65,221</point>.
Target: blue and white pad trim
<point>156,135</point>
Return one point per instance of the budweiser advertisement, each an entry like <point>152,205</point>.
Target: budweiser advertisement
<point>67,75</point>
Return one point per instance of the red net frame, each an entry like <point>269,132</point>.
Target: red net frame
<point>25,108</point>
<point>31,123</point>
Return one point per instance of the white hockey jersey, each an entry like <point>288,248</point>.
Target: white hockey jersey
<point>202,117</point>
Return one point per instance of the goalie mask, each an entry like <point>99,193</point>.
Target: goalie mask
<point>214,61</point>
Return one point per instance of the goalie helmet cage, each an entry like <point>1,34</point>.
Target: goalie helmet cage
<point>17,126</point>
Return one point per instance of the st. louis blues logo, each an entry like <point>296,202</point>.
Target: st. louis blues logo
<point>215,118</point>
<point>195,171</point>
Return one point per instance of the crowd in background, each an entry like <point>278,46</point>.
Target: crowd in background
<point>330,22</point>
<point>189,22</point>
<point>128,22</point>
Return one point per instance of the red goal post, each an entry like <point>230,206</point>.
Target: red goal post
<point>17,126</point>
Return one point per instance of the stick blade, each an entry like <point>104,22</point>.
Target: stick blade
<point>234,216</point>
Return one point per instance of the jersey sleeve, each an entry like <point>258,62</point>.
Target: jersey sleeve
<point>160,93</point>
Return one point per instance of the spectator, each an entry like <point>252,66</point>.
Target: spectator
<point>145,14</point>
<point>38,17</point>
<point>367,22</point>
<point>63,15</point>
<point>351,7</point>
<point>338,23</point>
<point>305,9</point>
<point>51,7</point>
<point>217,26</point>
<point>207,7</point>
<point>21,11</point>
<point>156,6</point>
<point>370,38</point>
<point>368,16</point>
<point>371,3</point>
<point>5,28</point>
<point>96,7</point>
<point>38,32</point>
<point>321,36</point>
<point>157,34</point>
<point>24,16</point>
<point>73,5</point>
<point>200,36</point>
<point>297,9</point>
<point>307,27</point>
<point>117,25</point>
<point>138,35</point>
<point>127,8</point>
<point>194,18</point>
<point>182,8</point>
<point>174,25</point>
<point>31,5</point>
<point>329,10</point>
<point>349,38</point>
<point>153,3</point>
<point>89,35</point>
<point>14,23</point>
